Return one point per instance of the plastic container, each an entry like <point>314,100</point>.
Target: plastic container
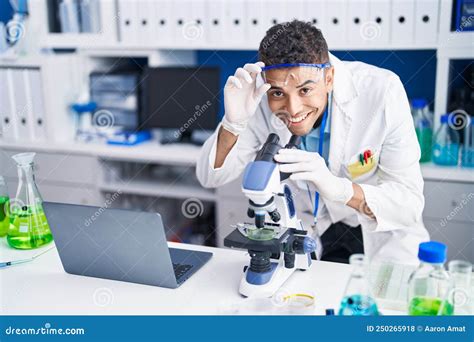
<point>446,143</point>
<point>423,127</point>
<point>428,285</point>
<point>467,153</point>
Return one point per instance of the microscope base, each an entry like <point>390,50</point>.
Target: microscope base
<point>279,277</point>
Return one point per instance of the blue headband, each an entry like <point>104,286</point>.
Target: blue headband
<point>291,65</point>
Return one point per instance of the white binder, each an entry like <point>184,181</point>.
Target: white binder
<point>7,119</point>
<point>128,21</point>
<point>336,23</point>
<point>164,26</point>
<point>315,13</point>
<point>379,12</point>
<point>215,24</point>
<point>145,22</point>
<point>21,107</point>
<point>357,23</point>
<point>34,92</point>
<point>426,21</point>
<point>235,21</point>
<point>402,23</point>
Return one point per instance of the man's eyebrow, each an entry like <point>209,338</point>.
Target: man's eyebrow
<point>275,87</point>
<point>305,83</point>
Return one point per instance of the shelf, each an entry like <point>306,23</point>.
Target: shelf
<point>150,152</point>
<point>161,189</point>
<point>432,171</point>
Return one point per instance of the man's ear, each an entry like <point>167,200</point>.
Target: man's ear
<point>329,78</point>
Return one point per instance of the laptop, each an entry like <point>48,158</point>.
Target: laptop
<point>119,244</point>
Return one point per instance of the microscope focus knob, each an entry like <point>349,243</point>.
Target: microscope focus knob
<point>275,215</point>
<point>250,213</point>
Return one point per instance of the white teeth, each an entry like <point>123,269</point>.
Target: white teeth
<point>299,118</point>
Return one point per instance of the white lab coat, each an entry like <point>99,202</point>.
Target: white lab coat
<point>370,111</point>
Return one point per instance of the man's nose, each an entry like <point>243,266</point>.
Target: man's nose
<point>293,106</point>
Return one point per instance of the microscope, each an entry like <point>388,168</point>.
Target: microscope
<point>276,241</point>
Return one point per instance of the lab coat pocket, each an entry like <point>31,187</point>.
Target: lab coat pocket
<point>362,165</point>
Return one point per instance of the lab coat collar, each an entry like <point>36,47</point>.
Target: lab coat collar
<point>344,88</point>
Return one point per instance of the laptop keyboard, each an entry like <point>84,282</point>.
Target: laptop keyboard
<point>181,269</point>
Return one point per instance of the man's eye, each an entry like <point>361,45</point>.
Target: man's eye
<point>305,91</point>
<point>277,94</point>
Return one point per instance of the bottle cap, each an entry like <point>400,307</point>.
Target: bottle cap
<point>419,103</point>
<point>433,252</point>
<point>329,312</point>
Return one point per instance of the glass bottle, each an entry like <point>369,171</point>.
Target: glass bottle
<point>446,143</point>
<point>460,273</point>
<point>29,228</point>
<point>358,300</point>
<point>428,284</point>
<point>468,146</point>
<point>4,208</point>
<point>423,127</point>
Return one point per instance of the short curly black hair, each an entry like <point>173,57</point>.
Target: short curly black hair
<point>293,42</point>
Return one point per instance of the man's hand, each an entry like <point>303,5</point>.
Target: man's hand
<point>241,97</point>
<point>309,166</point>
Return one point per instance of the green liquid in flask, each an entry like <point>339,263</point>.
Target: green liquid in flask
<point>4,217</point>
<point>425,306</point>
<point>29,230</point>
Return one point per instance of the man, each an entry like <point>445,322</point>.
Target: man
<point>365,170</point>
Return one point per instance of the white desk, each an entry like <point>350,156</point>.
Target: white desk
<point>43,288</point>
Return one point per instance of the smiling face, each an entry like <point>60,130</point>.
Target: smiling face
<point>298,96</point>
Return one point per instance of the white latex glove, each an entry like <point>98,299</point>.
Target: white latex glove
<point>241,97</point>
<point>309,166</point>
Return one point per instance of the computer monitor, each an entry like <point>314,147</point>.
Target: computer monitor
<point>183,99</point>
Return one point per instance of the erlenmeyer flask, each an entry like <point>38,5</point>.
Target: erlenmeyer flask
<point>357,300</point>
<point>29,228</point>
<point>4,208</point>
